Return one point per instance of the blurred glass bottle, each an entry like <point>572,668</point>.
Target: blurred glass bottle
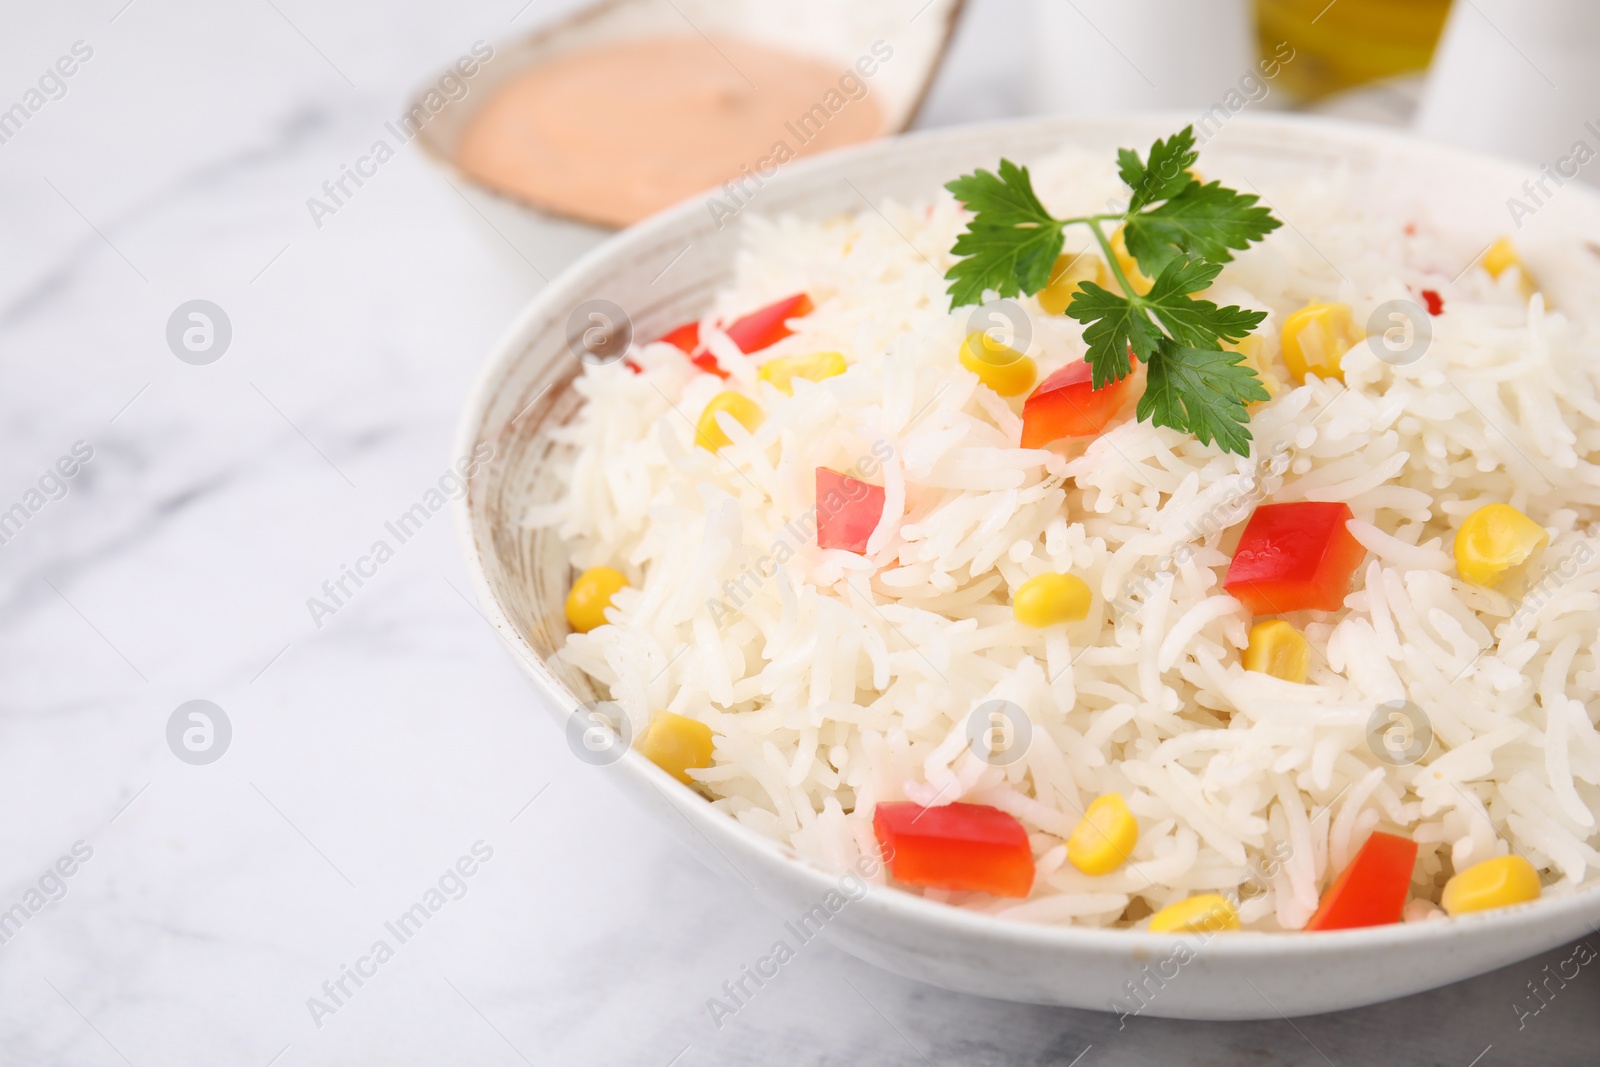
<point>1345,43</point>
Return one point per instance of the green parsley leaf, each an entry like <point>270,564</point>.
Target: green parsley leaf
<point>1202,391</point>
<point>1196,322</point>
<point>1202,222</point>
<point>1012,241</point>
<point>1166,175</point>
<point>1112,325</point>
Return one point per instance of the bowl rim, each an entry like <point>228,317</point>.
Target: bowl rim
<point>1580,907</point>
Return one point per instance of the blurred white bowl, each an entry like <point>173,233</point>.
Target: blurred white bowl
<point>664,271</point>
<point>837,31</point>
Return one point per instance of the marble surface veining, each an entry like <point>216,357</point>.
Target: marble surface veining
<point>188,914</point>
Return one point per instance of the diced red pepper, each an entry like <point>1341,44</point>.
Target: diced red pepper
<point>761,328</point>
<point>767,326</point>
<point>848,510</point>
<point>708,363</point>
<point>1067,404</point>
<point>1292,557</point>
<point>1434,301</point>
<point>1371,891</point>
<point>968,847</point>
<point>686,337</point>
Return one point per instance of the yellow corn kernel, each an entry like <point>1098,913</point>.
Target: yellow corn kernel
<point>1501,257</point>
<point>1046,599</point>
<point>1000,367</point>
<point>1105,837</point>
<point>782,371</point>
<point>1206,913</point>
<point>1137,278</point>
<point>746,412</point>
<point>1494,539</point>
<point>590,596</point>
<point>1278,649</point>
<point>1068,273</point>
<point>1496,883</point>
<point>676,744</point>
<point>1315,339</point>
<point>1254,350</point>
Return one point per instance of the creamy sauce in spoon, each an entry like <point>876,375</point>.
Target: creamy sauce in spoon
<point>614,133</point>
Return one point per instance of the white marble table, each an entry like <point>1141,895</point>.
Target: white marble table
<point>369,756</point>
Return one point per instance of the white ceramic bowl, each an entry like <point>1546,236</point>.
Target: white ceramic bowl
<point>664,271</point>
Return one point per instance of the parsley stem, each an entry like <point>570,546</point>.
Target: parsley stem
<point>1091,219</point>
<point>1111,259</point>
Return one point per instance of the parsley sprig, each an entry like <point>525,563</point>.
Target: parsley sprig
<point>1180,232</point>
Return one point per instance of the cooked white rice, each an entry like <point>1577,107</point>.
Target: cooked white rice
<point>845,680</point>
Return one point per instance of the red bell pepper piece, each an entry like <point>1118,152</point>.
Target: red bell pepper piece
<point>753,332</point>
<point>685,338</point>
<point>1067,404</point>
<point>1371,891</point>
<point>1434,301</point>
<point>767,326</point>
<point>848,510</point>
<point>970,847</point>
<point>708,363</point>
<point>1294,556</point>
